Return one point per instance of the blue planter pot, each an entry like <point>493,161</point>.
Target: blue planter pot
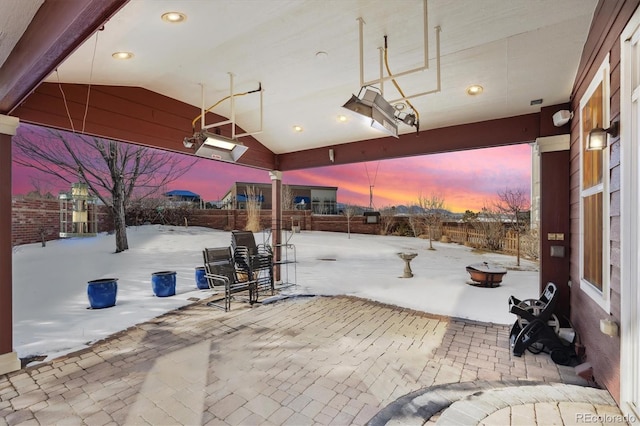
<point>164,283</point>
<point>102,293</point>
<point>201,280</point>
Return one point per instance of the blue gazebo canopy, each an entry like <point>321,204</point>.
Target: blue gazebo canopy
<point>182,193</point>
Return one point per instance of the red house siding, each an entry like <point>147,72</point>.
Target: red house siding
<point>602,351</point>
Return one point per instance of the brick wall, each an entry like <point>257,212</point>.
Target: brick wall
<point>32,216</point>
<point>356,224</point>
<point>237,219</point>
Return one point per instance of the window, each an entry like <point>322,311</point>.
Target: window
<point>594,192</point>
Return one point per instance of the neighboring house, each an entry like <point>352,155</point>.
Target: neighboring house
<point>318,199</point>
<point>182,196</point>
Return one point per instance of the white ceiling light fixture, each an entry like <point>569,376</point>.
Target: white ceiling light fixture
<point>474,90</point>
<point>122,55</point>
<point>373,105</point>
<point>174,17</point>
<point>213,145</point>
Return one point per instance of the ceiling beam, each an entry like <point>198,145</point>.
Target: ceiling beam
<point>484,134</point>
<point>57,29</point>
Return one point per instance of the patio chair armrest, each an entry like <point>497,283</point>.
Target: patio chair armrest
<point>265,249</point>
<point>224,281</point>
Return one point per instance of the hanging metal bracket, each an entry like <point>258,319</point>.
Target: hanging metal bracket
<point>380,81</point>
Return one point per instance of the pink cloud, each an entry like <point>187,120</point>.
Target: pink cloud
<point>466,179</point>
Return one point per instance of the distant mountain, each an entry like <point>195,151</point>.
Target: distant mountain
<point>404,210</point>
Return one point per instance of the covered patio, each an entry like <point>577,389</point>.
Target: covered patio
<point>48,81</point>
<point>59,66</point>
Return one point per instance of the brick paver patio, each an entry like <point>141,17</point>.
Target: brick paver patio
<point>320,360</point>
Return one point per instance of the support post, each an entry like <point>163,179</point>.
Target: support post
<point>555,227</point>
<point>276,220</point>
<point>8,358</point>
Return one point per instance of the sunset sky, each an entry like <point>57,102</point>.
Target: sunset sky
<point>466,180</point>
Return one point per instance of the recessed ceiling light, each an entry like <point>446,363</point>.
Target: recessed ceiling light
<point>400,106</point>
<point>475,89</point>
<point>342,118</point>
<point>297,129</point>
<point>321,54</point>
<point>122,55</point>
<point>174,17</point>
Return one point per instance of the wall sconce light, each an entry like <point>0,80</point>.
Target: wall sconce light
<point>597,139</point>
<point>331,155</point>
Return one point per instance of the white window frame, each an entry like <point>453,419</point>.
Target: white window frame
<point>602,298</point>
<point>629,226</point>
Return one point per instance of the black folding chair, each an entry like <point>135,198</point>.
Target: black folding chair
<point>221,272</point>
<point>254,259</point>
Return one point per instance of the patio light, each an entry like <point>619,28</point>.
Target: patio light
<point>217,147</point>
<point>597,139</point>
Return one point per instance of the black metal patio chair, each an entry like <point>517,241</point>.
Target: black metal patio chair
<point>254,259</point>
<point>221,272</point>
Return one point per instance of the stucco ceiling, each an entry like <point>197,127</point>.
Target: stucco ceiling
<point>305,53</point>
<point>14,20</point>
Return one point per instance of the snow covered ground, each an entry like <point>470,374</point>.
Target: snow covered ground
<point>51,315</point>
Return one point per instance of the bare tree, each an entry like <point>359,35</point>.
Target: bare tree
<point>432,213</point>
<point>349,212</point>
<point>414,220</point>
<point>41,189</point>
<point>114,171</point>
<point>387,217</point>
<point>468,219</point>
<point>513,203</point>
<point>287,197</point>
<point>253,197</point>
<point>488,222</point>
<point>530,243</point>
